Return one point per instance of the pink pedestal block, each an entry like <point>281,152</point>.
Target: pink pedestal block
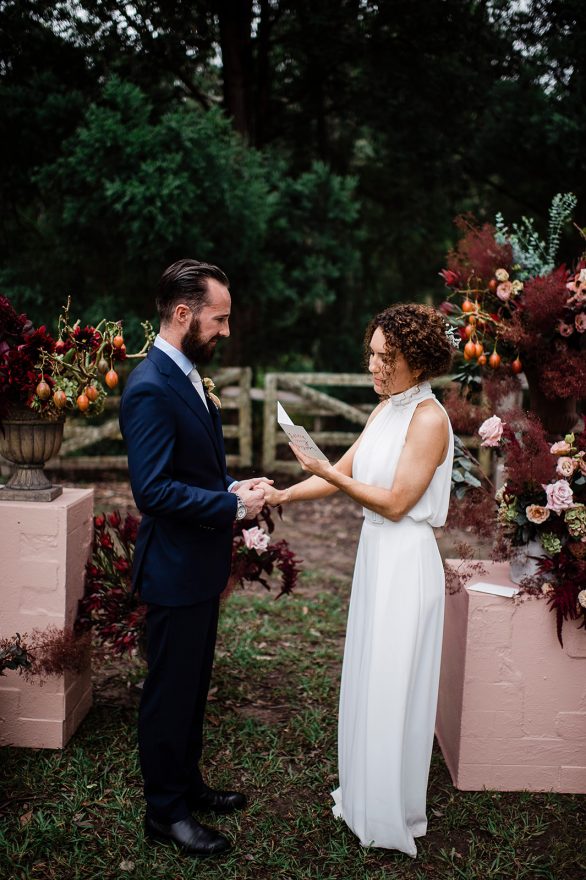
<point>512,702</point>
<point>44,547</point>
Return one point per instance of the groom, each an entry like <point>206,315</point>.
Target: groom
<point>188,502</point>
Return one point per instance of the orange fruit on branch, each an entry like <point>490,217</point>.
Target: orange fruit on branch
<point>118,341</point>
<point>482,360</point>
<point>92,393</point>
<point>43,390</point>
<point>517,366</point>
<point>494,360</point>
<point>470,349</point>
<point>111,378</point>
<point>59,398</point>
<point>82,402</point>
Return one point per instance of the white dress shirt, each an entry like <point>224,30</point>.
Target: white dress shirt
<point>184,365</point>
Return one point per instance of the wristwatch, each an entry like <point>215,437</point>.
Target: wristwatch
<point>241,509</point>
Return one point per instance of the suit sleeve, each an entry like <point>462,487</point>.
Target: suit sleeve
<point>148,427</point>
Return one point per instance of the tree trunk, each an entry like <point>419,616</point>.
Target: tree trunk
<point>235,19</point>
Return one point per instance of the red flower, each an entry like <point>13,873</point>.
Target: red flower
<point>87,338</point>
<point>451,278</point>
<point>114,519</point>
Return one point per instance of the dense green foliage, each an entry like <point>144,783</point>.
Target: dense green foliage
<point>317,151</point>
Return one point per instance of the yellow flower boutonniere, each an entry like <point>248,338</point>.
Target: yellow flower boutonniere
<point>209,386</point>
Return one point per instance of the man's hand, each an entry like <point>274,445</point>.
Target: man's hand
<point>253,497</point>
<point>252,483</point>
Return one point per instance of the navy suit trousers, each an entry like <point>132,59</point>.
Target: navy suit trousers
<point>180,653</point>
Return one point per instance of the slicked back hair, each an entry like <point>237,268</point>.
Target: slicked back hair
<point>186,281</point>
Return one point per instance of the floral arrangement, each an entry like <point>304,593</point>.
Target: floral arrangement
<point>116,615</point>
<point>255,557</point>
<point>543,499</point>
<point>513,306</point>
<point>51,375</point>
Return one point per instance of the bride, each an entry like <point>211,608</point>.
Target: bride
<point>399,470</point>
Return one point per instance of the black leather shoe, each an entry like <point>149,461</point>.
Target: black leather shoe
<point>217,801</point>
<point>188,835</point>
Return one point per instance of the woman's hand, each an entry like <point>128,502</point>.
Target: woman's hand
<point>315,466</point>
<point>274,496</point>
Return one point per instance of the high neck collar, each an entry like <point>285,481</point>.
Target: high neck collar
<point>415,394</point>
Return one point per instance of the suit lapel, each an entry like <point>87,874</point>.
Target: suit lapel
<point>183,387</point>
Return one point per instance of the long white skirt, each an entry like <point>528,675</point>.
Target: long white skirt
<point>390,680</point>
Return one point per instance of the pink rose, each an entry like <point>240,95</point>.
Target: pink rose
<point>256,538</point>
<point>491,431</point>
<point>566,466</point>
<point>559,496</point>
<point>580,322</point>
<point>504,291</point>
<point>565,329</point>
<point>560,448</point>
<point>537,514</point>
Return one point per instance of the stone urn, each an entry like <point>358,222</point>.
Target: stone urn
<point>28,441</point>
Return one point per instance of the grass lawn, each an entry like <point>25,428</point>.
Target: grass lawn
<point>272,733</point>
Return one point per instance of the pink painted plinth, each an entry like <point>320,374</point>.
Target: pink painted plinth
<point>512,702</point>
<point>43,547</point>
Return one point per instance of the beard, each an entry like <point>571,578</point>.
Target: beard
<point>194,347</point>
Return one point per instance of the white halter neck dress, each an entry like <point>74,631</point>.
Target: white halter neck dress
<point>390,675</point>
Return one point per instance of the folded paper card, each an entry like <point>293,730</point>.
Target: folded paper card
<point>494,589</point>
<point>298,435</point>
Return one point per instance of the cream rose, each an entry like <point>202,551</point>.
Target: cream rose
<point>562,447</point>
<point>537,514</point>
<point>501,275</point>
<point>491,431</point>
<point>559,496</point>
<point>566,466</point>
<point>256,538</point>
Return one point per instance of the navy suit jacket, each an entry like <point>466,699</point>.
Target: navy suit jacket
<point>178,475</point>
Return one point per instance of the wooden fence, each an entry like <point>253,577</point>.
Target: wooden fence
<point>333,423</point>
<point>235,382</point>
<point>294,390</point>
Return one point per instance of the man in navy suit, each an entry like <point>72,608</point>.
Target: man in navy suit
<point>188,502</point>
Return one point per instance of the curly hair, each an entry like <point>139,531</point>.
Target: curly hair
<point>416,331</point>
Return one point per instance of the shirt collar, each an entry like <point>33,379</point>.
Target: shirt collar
<point>175,354</point>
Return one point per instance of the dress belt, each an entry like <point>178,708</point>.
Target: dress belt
<point>372,517</point>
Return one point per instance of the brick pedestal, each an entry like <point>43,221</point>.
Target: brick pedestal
<point>512,702</point>
<point>43,551</point>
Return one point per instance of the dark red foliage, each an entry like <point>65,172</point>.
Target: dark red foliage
<point>528,460</point>
<point>478,255</point>
<point>544,301</point>
<point>117,616</point>
<point>466,417</point>
<point>52,651</point>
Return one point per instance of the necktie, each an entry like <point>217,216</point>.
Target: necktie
<point>195,380</point>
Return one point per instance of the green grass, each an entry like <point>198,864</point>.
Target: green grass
<point>271,732</point>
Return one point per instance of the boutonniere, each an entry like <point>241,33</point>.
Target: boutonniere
<point>209,386</point>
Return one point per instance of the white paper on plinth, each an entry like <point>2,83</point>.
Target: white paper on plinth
<point>298,435</point>
<point>494,589</point>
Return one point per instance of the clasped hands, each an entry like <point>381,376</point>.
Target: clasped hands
<point>252,493</point>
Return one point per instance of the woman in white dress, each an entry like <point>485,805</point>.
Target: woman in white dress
<point>399,470</point>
